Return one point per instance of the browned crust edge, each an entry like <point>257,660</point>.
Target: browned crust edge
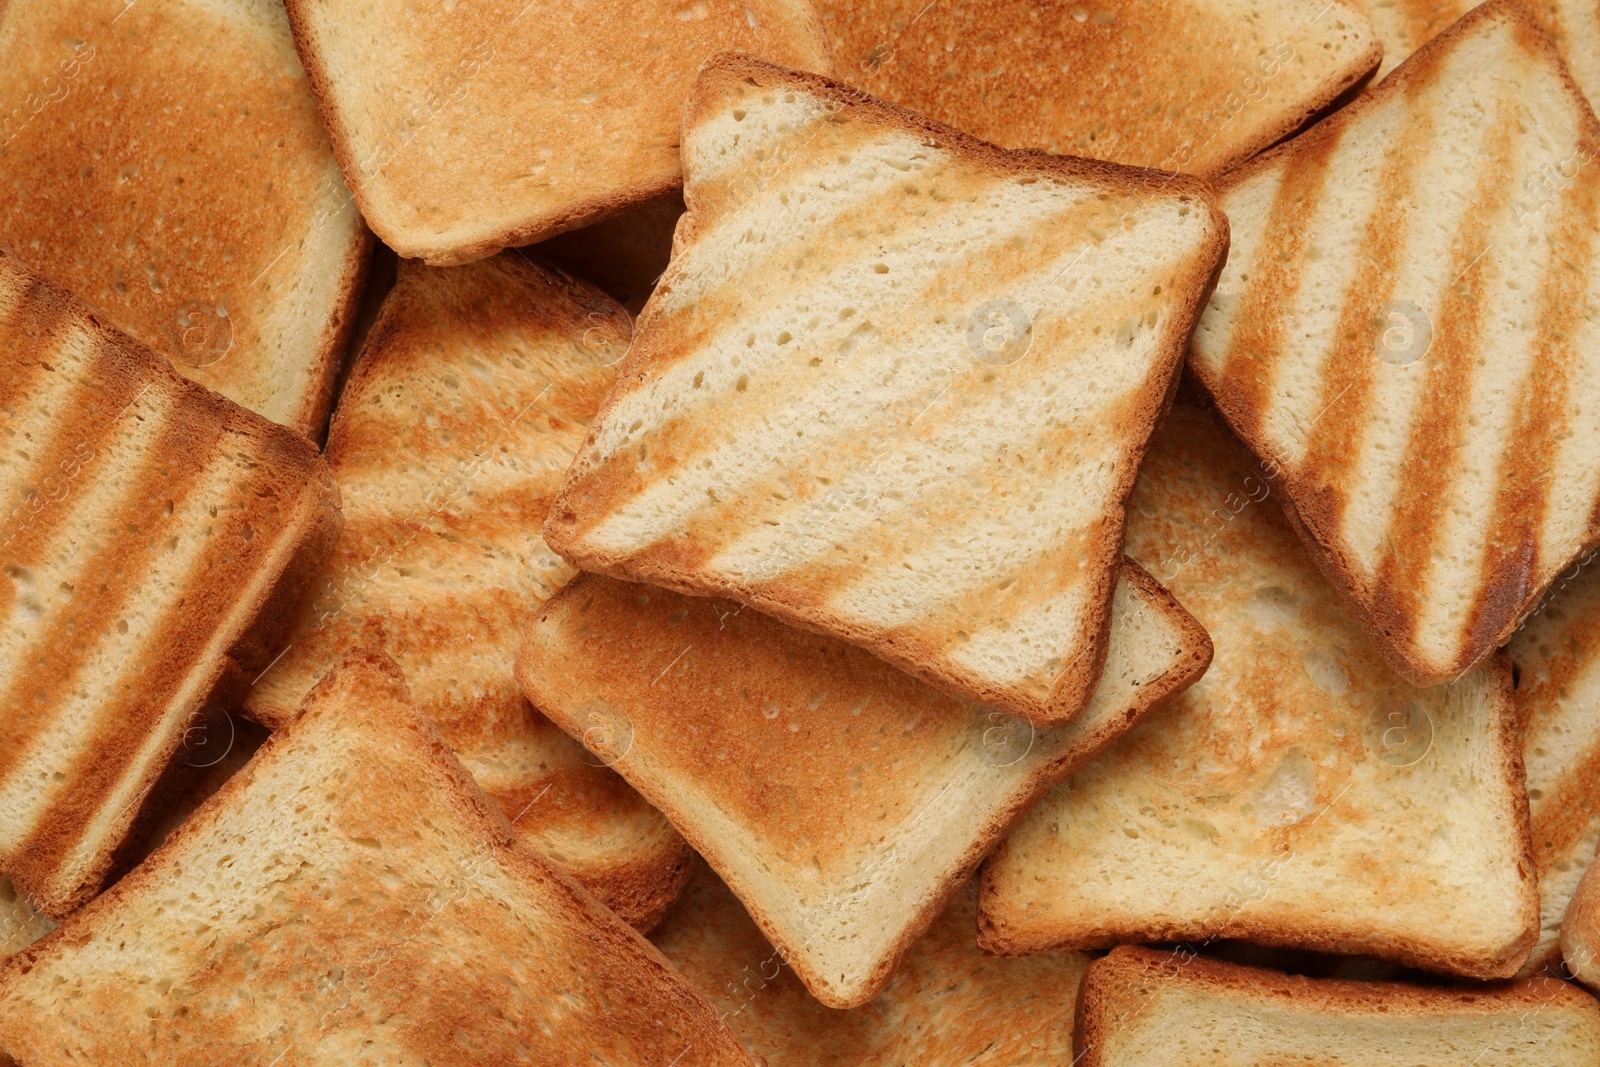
<point>1305,512</point>
<point>333,345</point>
<point>1326,934</point>
<point>1115,988</point>
<point>1073,687</point>
<point>1190,665</point>
<point>313,531</point>
<point>461,791</point>
<point>641,891</point>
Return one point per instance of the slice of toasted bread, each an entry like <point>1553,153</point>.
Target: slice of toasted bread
<point>750,735</point>
<point>625,255</point>
<point>1115,80</point>
<point>21,924</point>
<point>1300,794</point>
<point>1580,929</point>
<point>1400,333</point>
<point>377,907</point>
<point>166,163</point>
<point>465,406</point>
<point>465,132</point>
<point>154,534</point>
<point>1556,654</point>
<point>948,1004</point>
<point>920,441</point>
<point>1139,1007</point>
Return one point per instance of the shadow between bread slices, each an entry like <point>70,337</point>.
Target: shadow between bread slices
<point>473,391</point>
<point>1300,794</point>
<point>823,432</point>
<point>843,801</point>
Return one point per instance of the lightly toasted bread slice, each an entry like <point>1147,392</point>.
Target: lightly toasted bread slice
<point>465,132</point>
<point>919,442</point>
<point>152,535</point>
<point>1138,1007</point>
<point>1556,654</point>
<point>379,910</point>
<point>750,735</point>
<point>1300,794</point>
<point>166,163</point>
<point>948,1004</point>
<point>472,393</point>
<point>1580,929</point>
<point>1116,80</point>
<point>1401,335</point>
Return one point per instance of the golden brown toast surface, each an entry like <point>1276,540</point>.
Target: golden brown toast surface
<point>465,406</point>
<point>166,163</point>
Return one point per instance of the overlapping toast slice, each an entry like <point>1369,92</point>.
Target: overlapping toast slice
<point>1556,655</point>
<point>474,389</point>
<point>843,801</point>
<point>1115,80</point>
<point>375,906</point>
<point>1139,1007</point>
<point>1300,794</point>
<point>465,132</point>
<point>918,436</point>
<point>166,163</point>
<point>1401,334</point>
<point>152,536</point>
<point>948,1004</point>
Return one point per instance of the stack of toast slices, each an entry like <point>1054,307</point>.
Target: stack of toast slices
<point>836,534</point>
<point>465,406</point>
<point>237,252</point>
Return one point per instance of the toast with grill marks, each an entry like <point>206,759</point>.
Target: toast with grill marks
<point>465,407</point>
<point>1404,333</point>
<point>463,131</point>
<point>948,1004</point>
<point>153,537</point>
<point>825,433</point>
<point>750,735</point>
<point>1139,1006</point>
<point>1114,80</point>
<point>167,164</point>
<point>1300,794</point>
<point>377,907</point>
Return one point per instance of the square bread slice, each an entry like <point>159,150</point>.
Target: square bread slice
<point>843,801</point>
<point>471,394</point>
<point>1403,333</point>
<point>507,122</point>
<point>153,534</point>
<point>1139,1007</point>
<point>351,897</point>
<point>1115,80</point>
<point>1300,794</point>
<point>165,161</point>
<point>919,437</point>
<point>948,1004</point>
<point>1556,655</point>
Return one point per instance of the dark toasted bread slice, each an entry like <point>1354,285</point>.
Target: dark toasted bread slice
<point>465,134</point>
<point>465,407</point>
<point>376,908</point>
<point>155,535</point>
<point>917,438</point>
<point>1117,80</point>
<point>755,738</point>
<point>1301,794</point>
<point>1400,333</point>
<point>1138,1007</point>
<point>948,1003</point>
<point>166,163</point>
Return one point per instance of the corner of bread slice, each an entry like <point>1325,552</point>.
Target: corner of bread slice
<point>1142,1006</point>
<point>899,441</point>
<point>1300,794</point>
<point>693,700</point>
<point>1423,444</point>
<point>384,894</point>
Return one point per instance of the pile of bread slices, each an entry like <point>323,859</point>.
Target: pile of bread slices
<point>853,532</point>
